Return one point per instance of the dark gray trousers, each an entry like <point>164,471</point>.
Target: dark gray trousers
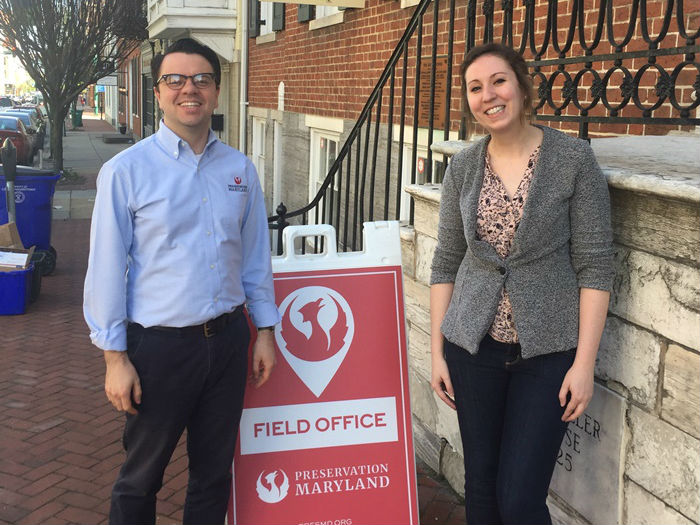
<point>189,382</point>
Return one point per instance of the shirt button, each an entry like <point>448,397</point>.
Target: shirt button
<point>208,233</point>
<point>204,199</point>
<point>212,266</point>
<point>216,299</point>
<point>502,270</point>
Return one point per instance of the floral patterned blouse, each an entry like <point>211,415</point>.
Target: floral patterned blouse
<point>497,219</point>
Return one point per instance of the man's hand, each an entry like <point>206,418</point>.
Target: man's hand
<point>121,382</point>
<point>263,357</point>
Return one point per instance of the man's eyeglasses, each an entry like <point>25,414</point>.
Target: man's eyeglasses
<point>178,81</point>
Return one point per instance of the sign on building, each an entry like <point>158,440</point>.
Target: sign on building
<point>328,438</point>
<point>109,80</point>
<point>588,473</point>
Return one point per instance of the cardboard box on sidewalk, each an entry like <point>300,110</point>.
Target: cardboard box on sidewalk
<point>13,254</point>
<point>9,236</point>
<point>15,271</point>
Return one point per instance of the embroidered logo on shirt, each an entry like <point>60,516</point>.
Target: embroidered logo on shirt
<point>237,186</point>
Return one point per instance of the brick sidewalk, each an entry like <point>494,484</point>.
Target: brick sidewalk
<point>92,123</point>
<point>60,440</point>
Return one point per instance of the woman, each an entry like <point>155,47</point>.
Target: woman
<point>519,290</point>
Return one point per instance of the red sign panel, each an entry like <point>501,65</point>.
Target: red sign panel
<point>328,439</point>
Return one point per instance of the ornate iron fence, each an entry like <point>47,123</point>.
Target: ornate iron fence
<point>617,84</point>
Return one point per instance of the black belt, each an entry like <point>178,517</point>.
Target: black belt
<point>207,329</point>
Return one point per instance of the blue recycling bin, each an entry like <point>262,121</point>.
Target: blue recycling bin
<point>15,291</point>
<point>34,191</point>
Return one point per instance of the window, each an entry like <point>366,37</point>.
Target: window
<point>148,107</point>
<point>421,174</point>
<point>326,15</point>
<point>265,18</point>
<point>121,89</point>
<point>324,150</point>
<point>325,10</point>
<point>259,148</point>
<point>135,78</point>
<point>324,136</point>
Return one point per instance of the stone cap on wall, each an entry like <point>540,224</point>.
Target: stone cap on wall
<point>667,166</point>
<point>426,192</point>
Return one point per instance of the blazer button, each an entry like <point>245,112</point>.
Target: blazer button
<point>501,270</point>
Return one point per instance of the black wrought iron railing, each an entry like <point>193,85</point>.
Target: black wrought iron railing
<point>584,81</point>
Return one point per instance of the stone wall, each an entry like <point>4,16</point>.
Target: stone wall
<point>634,456</point>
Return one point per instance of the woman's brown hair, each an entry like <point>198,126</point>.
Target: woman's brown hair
<point>516,63</point>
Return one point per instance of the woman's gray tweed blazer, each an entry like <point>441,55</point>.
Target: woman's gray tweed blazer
<point>563,243</point>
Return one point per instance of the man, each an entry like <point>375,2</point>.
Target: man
<point>178,244</point>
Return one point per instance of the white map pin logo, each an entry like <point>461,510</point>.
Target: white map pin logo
<point>315,334</point>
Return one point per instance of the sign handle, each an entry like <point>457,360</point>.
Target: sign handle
<point>308,230</point>
<point>381,241</point>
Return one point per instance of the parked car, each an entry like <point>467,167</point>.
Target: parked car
<point>32,110</point>
<point>13,128</point>
<point>39,108</point>
<point>31,126</point>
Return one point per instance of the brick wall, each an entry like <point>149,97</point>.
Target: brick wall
<point>331,71</point>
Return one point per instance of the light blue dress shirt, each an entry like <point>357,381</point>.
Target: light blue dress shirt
<point>176,240</point>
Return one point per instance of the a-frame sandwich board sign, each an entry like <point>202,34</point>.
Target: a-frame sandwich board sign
<point>328,439</point>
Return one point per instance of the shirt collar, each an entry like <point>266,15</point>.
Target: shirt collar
<point>172,143</point>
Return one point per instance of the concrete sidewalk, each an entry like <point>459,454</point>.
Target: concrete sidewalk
<point>84,150</point>
<point>60,440</point>
<point>84,153</point>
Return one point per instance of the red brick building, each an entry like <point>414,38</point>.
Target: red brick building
<point>311,75</point>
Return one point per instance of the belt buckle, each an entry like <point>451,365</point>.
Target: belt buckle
<point>209,330</point>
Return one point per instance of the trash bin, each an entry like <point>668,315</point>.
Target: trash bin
<point>34,191</point>
<point>77,118</point>
<point>15,291</point>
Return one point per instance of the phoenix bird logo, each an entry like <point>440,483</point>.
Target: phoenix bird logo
<point>315,334</point>
<point>322,330</point>
<point>268,489</point>
<point>237,180</point>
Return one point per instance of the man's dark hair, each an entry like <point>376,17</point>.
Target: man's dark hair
<point>191,47</point>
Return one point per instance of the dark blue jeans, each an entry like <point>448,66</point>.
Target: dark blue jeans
<point>191,382</point>
<point>510,422</point>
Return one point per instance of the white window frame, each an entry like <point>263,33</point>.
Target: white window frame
<point>322,11</point>
<point>266,14</point>
<point>407,155</point>
<point>326,15</point>
<point>258,147</point>
<point>328,129</point>
<point>422,153</point>
<point>316,177</point>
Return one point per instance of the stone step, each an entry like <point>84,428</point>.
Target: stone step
<point>118,138</point>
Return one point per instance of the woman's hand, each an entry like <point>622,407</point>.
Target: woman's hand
<point>593,307</point>
<point>578,382</point>
<point>440,296</point>
<point>440,381</point>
